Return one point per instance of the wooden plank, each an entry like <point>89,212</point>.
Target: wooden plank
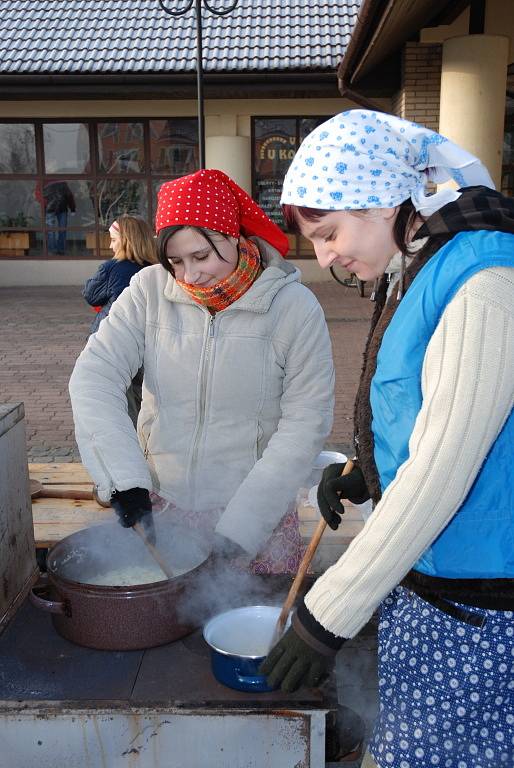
<point>72,472</point>
<point>307,513</point>
<point>67,509</point>
<point>65,487</point>
<point>56,518</point>
<point>333,543</point>
<point>47,536</point>
<point>345,533</point>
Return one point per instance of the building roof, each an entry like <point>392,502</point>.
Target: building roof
<point>92,37</point>
<point>380,31</point>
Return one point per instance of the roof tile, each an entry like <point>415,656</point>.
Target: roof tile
<point>103,36</point>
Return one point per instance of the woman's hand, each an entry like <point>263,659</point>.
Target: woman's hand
<point>134,506</point>
<point>292,663</point>
<point>304,655</point>
<point>333,487</point>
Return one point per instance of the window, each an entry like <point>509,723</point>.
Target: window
<point>275,141</point>
<point>66,147</point>
<point>174,146</point>
<point>121,148</point>
<point>62,183</point>
<point>17,148</point>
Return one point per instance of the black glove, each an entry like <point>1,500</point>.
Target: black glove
<point>303,656</point>
<point>134,506</point>
<point>333,487</point>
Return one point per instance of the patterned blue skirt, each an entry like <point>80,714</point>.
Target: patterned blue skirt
<point>446,687</point>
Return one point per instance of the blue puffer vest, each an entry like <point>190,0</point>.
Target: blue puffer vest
<point>479,540</point>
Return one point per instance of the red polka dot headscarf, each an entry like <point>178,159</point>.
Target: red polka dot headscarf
<point>211,199</point>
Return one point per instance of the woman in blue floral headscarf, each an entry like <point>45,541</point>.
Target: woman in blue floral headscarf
<point>434,439</point>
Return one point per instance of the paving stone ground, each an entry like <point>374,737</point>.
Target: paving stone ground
<point>45,328</point>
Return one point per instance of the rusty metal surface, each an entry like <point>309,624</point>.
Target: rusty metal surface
<point>138,738</point>
<point>17,551</point>
<point>62,704</point>
<point>36,663</point>
<point>181,672</point>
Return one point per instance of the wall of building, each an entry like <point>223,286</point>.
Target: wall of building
<point>499,20</point>
<point>225,119</point>
<point>418,99</point>
<point>451,79</point>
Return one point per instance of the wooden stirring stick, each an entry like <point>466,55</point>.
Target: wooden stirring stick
<point>302,570</point>
<point>154,552</point>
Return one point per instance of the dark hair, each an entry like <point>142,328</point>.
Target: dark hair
<point>165,234</point>
<point>402,224</point>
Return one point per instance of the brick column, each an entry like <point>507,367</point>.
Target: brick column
<point>418,98</point>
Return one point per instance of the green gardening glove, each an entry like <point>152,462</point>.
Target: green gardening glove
<point>304,655</point>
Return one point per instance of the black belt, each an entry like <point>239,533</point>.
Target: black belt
<point>455,611</point>
<point>489,594</point>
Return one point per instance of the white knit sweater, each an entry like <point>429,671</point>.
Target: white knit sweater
<point>468,392</point>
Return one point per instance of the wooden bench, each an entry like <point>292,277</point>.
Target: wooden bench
<point>54,519</point>
<point>333,543</point>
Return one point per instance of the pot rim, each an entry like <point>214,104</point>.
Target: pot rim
<point>113,589</point>
<point>218,616</point>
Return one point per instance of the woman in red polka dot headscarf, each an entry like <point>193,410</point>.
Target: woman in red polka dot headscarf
<point>238,386</point>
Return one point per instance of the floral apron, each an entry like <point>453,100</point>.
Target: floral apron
<point>281,554</point>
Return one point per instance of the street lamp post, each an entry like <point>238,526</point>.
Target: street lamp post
<point>199,64</point>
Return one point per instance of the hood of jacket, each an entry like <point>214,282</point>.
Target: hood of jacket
<point>277,272</point>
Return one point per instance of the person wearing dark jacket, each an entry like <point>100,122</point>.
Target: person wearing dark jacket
<point>434,426</point>
<point>58,200</point>
<point>133,245</point>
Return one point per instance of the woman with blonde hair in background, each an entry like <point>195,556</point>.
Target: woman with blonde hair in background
<point>133,246</point>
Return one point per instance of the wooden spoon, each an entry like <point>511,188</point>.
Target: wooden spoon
<point>157,556</point>
<point>302,570</point>
<point>38,490</point>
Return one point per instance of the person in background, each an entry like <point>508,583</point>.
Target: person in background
<point>238,387</point>
<point>57,201</point>
<point>133,246</point>
<point>434,432</point>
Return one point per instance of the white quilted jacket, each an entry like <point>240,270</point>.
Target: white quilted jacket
<point>235,407</point>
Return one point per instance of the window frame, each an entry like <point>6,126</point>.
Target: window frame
<point>300,247</point>
<point>147,177</point>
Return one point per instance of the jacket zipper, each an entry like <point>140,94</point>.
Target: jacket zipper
<point>203,389</point>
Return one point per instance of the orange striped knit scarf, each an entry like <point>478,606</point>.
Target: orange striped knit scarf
<point>232,287</point>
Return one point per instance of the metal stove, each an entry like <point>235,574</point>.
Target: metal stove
<point>61,704</point>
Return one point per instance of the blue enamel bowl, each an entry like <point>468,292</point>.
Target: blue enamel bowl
<point>240,640</point>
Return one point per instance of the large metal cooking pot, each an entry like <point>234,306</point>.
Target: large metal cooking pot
<point>121,618</point>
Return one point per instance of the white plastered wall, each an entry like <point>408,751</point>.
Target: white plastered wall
<point>473,81</point>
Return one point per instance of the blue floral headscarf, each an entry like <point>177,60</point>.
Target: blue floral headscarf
<point>363,159</point>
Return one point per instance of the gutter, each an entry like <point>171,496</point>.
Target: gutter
<point>367,12</point>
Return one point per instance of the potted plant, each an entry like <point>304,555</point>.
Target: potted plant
<point>14,243</point>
